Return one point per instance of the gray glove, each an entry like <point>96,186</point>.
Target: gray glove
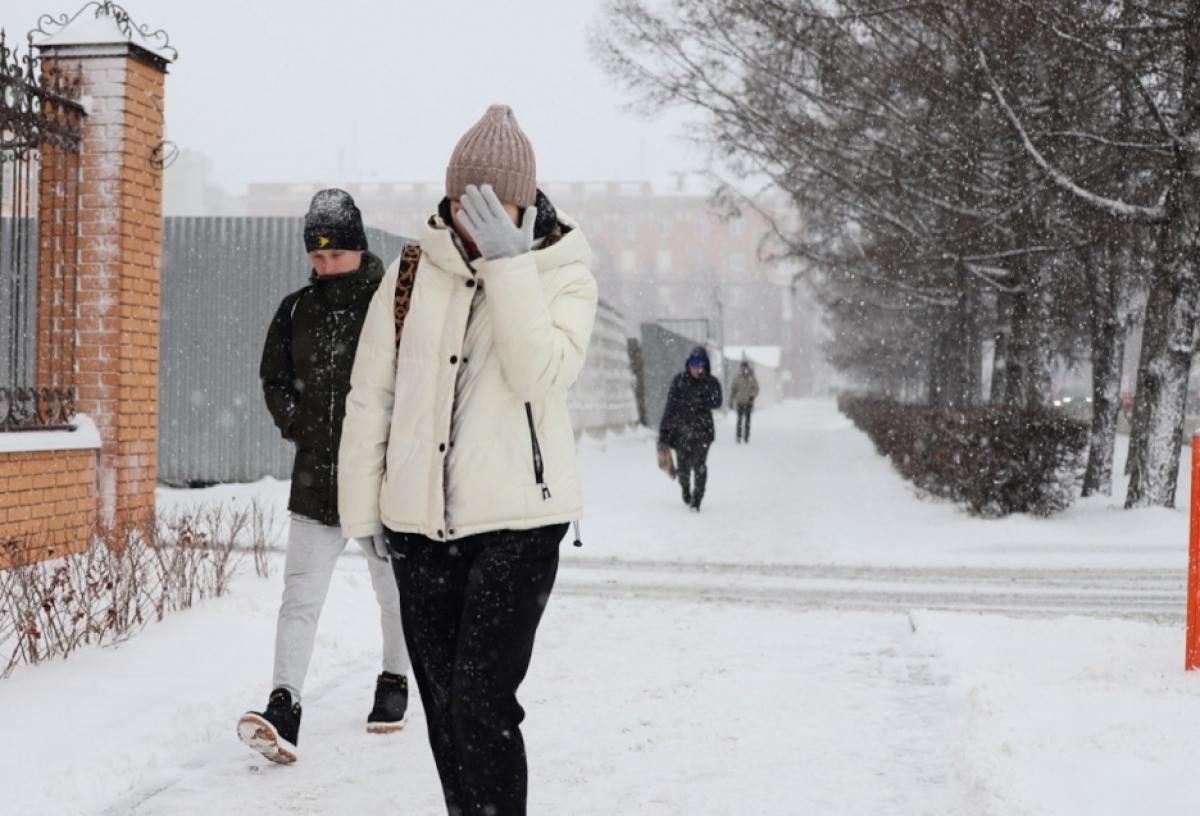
<point>375,545</point>
<point>491,229</point>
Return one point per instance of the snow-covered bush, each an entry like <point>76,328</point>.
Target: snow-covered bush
<point>996,460</point>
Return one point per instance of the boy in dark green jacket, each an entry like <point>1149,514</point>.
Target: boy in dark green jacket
<point>305,372</point>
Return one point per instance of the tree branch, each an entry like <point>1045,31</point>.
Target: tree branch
<point>1120,209</point>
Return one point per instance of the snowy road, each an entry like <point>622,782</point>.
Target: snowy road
<point>1153,595</point>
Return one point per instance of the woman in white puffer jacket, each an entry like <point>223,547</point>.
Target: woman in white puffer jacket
<point>458,448</point>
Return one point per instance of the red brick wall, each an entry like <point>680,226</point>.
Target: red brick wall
<point>48,498</point>
<point>119,289</point>
<point>58,498</point>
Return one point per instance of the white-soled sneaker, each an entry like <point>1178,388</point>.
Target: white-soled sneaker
<point>275,731</point>
<point>390,712</point>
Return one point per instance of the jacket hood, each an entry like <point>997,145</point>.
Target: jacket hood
<point>547,215</point>
<point>437,241</point>
<point>699,351</point>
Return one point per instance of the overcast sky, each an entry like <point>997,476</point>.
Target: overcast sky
<point>327,90</point>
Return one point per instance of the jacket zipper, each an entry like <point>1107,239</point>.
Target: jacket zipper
<point>538,469</point>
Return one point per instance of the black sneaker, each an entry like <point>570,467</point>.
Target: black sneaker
<point>274,732</point>
<point>391,704</point>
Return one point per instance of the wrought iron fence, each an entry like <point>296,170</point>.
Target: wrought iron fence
<point>664,353</point>
<point>40,140</point>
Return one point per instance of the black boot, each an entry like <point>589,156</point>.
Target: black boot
<point>274,732</point>
<point>391,704</point>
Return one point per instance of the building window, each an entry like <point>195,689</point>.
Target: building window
<point>663,267</point>
<point>664,227</point>
<point>737,262</point>
<point>628,260</point>
<point>700,224</point>
<point>629,227</point>
<point>737,226</point>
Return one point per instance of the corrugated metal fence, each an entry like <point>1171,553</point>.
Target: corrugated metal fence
<point>602,399</point>
<point>664,354</point>
<point>223,279</point>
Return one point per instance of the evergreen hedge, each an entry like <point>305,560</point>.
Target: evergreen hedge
<point>996,460</point>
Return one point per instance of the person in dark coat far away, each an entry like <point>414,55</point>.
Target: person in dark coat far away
<point>305,374</point>
<point>687,423</point>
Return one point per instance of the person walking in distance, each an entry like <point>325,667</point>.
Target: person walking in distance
<point>687,424</point>
<point>305,374</point>
<point>741,398</point>
<point>459,448</point>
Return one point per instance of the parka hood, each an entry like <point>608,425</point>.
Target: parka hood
<point>702,352</point>
<point>438,242</point>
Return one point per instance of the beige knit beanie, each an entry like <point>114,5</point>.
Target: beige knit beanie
<point>497,152</point>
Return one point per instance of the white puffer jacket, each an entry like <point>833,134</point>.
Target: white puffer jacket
<point>437,438</point>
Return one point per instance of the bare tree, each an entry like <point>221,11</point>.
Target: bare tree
<point>966,168</point>
<point>1147,61</point>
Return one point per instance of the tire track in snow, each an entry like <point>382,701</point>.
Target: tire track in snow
<point>1151,595</point>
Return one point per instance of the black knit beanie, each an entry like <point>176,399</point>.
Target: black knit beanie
<point>333,222</point>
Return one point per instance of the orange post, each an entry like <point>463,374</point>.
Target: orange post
<point>1192,652</point>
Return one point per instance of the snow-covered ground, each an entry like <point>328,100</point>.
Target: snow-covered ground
<point>817,641</point>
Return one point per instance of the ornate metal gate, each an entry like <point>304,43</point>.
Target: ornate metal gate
<point>40,139</point>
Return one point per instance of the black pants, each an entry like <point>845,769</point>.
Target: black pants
<point>470,610</point>
<point>743,422</point>
<point>692,466</point>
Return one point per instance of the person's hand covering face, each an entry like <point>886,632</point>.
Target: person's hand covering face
<point>492,229</point>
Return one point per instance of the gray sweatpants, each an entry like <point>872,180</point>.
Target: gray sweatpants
<point>312,553</point>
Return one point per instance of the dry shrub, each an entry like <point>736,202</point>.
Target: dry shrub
<point>126,578</point>
<point>994,459</point>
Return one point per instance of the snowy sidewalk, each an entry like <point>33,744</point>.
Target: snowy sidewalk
<point>684,701</point>
<point>810,489</point>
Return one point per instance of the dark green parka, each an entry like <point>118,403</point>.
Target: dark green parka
<point>305,373</point>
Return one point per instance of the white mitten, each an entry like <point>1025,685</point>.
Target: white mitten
<point>375,545</point>
<point>491,229</point>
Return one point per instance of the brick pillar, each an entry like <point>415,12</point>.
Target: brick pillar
<point>120,247</point>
